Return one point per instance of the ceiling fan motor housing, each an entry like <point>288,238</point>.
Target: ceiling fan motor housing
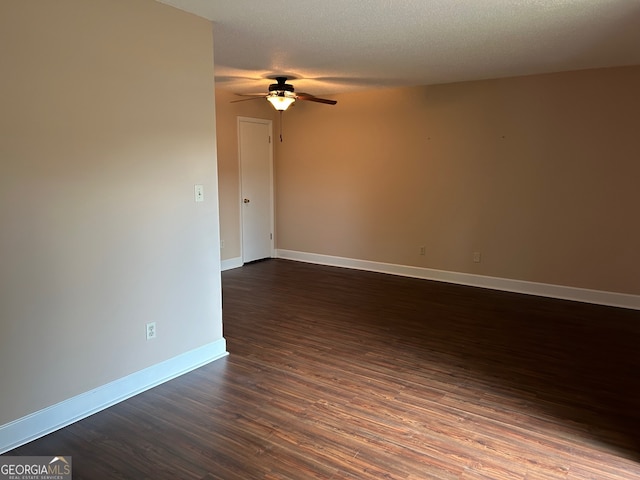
<point>281,86</point>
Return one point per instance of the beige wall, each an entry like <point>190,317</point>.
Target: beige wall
<point>539,174</point>
<point>227,114</point>
<point>107,122</point>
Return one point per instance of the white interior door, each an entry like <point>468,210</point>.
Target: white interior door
<point>256,169</point>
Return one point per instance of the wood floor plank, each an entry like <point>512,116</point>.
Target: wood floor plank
<point>342,374</point>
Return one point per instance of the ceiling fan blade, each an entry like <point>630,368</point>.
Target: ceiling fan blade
<point>313,98</point>
<point>251,97</point>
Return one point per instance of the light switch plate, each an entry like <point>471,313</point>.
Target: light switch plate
<point>199,193</point>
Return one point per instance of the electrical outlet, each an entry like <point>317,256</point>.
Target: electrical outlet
<point>221,243</point>
<point>423,250</point>
<point>476,257</point>
<point>151,330</point>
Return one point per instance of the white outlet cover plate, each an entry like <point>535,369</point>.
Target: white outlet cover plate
<point>151,330</point>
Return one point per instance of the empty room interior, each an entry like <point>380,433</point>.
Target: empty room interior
<point>432,272</point>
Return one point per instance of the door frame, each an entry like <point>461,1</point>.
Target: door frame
<point>269,123</point>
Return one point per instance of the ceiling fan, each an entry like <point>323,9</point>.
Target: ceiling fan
<point>282,95</point>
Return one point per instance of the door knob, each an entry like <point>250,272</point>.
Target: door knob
<point>246,200</point>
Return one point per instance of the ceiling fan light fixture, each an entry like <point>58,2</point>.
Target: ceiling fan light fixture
<point>281,99</point>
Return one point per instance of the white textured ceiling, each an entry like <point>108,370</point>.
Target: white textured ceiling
<point>335,46</point>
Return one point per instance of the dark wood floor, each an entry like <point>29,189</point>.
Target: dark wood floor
<point>340,374</point>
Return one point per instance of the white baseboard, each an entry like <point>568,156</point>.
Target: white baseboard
<point>47,420</point>
<point>230,263</point>
<point>612,299</point>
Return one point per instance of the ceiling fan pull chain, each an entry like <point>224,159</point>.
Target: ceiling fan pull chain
<point>280,126</point>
